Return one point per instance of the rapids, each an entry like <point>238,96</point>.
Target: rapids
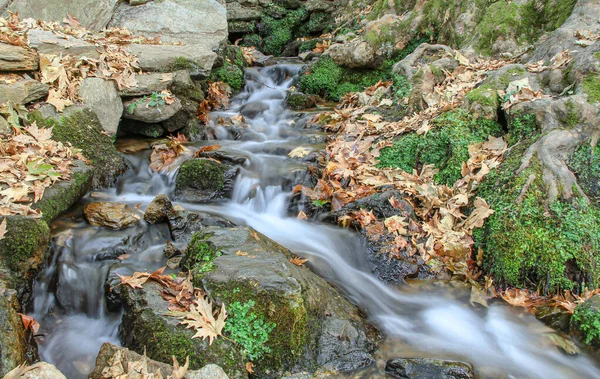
<point>69,295</point>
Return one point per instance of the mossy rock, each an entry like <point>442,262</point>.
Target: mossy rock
<point>201,180</point>
<point>146,326</point>
<point>23,250</point>
<point>303,308</point>
<point>585,322</point>
<point>281,26</point>
<point>446,146</point>
<point>529,242</point>
<point>299,100</point>
<point>82,129</point>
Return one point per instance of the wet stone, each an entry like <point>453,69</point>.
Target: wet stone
<point>158,210</point>
<point>418,368</point>
<point>111,215</point>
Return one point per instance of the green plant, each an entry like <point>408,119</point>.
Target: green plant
<point>199,256</point>
<point>319,203</point>
<point>586,319</point>
<point>522,127</point>
<point>156,99</point>
<point>591,86</point>
<point>248,329</point>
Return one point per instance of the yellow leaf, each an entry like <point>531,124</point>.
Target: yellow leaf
<point>299,152</point>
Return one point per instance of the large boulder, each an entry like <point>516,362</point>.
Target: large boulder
<point>23,91</point>
<point>116,360</point>
<point>102,97</point>
<point>202,180</point>
<point>194,58</point>
<point>92,14</point>
<point>353,54</point>
<point>17,58</point>
<point>191,22</point>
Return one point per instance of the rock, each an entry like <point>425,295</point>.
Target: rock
<point>138,2</point>
<point>149,83</point>
<point>416,368</point>
<point>141,128</point>
<point>42,370</point>
<point>184,224</point>
<point>353,54</point>
<point>191,22</point>
<point>46,42</point>
<point>111,356</point>
<point>101,96</point>
<point>263,60</point>
<point>158,210</point>
<point>91,14</point>
<point>81,127</point>
<point>146,326</point>
<point>299,100</point>
<point>314,324</point>
<point>151,114</point>
<point>111,215</point>
<point>13,337</point>
<point>410,64</point>
<point>5,128</point>
<point>23,91</point>
<point>197,59</point>
<point>202,180</point>
<point>253,109</point>
<point>17,58</point>
<point>555,317</point>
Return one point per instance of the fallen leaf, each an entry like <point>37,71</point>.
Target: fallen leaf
<point>3,228</point>
<point>299,152</point>
<point>30,323</point>
<point>298,261</point>
<point>200,318</point>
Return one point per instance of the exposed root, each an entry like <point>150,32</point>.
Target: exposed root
<point>408,66</point>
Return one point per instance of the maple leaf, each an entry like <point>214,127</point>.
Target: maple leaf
<point>250,367</point>
<point>298,261</point>
<point>201,318</point>
<point>136,280</point>
<point>179,371</point>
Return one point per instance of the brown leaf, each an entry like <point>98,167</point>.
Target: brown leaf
<point>201,319</point>
<point>298,261</point>
<point>250,367</point>
<point>3,228</point>
<point>30,323</point>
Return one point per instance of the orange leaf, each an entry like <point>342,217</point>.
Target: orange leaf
<point>298,261</point>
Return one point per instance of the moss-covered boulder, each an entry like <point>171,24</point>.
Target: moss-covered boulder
<point>201,180</point>
<point>299,100</point>
<point>145,326</point>
<point>303,322</point>
<point>585,322</point>
<point>81,128</point>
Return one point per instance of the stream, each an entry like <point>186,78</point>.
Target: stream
<point>69,295</point>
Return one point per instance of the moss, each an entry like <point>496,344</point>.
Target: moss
<point>483,95</point>
<point>529,242</point>
<point>251,40</point>
<point>280,27</point>
<point>318,22</point>
<point>63,195</point>
<point>545,16</point>
<point>585,163</point>
<point>591,86</point>
<point>522,127</point>
<point>199,257</point>
<point>573,117</point>
<point>202,174</point>
<point>82,129</point>
<point>501,19</point>
<point>586,321</point>
<point>597,55</point>
<point>24,245</point>
<point>181,63</point>
<point>230,74</point>
<point>445,146</point>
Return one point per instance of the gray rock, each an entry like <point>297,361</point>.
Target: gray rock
<point>142,129</point>
<point>187,21</point>
<point>146,84</point>
<point>5,128</point>
<point>144,112</point>
<point>102,98</point>
<point>46,42</point>
<point>111,353</point>
<point>184,224</point>
<point>197,59</point>
<point>92,14</point>
<point>417,368</point>
<point>353,54</point>
<point>203,180</point>
<point>253,109</point>
<point>23,92</point>
<point>17,58</point>
<point>239,12</point>
<point>138,2</point>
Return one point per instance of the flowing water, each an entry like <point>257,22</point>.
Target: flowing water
<point>70,294</point>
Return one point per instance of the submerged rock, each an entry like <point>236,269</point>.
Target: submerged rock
<point>417,368</point>
<point>114,358</point>
<point>201,180</point>
<point>299,100</point>
<point>111,215</point>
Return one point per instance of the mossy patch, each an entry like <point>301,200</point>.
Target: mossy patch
<point>529,242</point>
<point>591,86</point>
<point>199,257</point>
<point>201,174</point>
<point>586,321</point>
<point>24,244</point>
<point>445,146</point>
<point>230,74</point>
<point>585,163</point>
<point>522,127</point>
<point>280,28</point>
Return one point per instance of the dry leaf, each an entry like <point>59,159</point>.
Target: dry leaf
<point>299,152</point>
<point>3,228</point>
<point>201,318</point>
<point>298,261</point>
<point>30,323</point>
<point>250,367</point>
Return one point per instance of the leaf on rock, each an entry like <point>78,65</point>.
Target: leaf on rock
<point>298,261</point>
<point>299,152</point>
<point>202,319</point>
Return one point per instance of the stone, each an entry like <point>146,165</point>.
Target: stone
<point>111,355</point>
<point>299,100</point>
<point>92,14</point>
<point>416,368</point>
<point>253,109</point>
<point>158,210</point>
<point>111,215</point>
<point>17,58</point>
<point>148,83</point>
<point>142,129</point>
<point>5,128</point>
<point>138,2</point>
<point>239,12</point>
<point>353,54</point>
<point>42,370</point>
<point>13,337</point>
<point>190,22</point>
<point>584,323</point>
<point>202,180</point>
<point>46,42</point>
<point>197,59</point>
<point>102,98</point>
<point>23,91</point>
<point>183,224</point>
<point>151,114</point>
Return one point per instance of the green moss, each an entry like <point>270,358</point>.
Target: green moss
<point>445,146</point>
<point>501,19</point>
<point>230,74</point>
<point>318,22</point>
<point>597,55</point>
<point>545,16</point>
<point>199,257</point>
<point>181,63</point>
<point>484,95</point>
<point>308,45</point>
<point>522,128</point>
<point>280,28</point>
<point>591,86</point>
<point>585,163</point>
<point>61,197</point>
<point>203,174</point>
<point>83,130</point>
<point>531,243</point>
<point>24,245</point>
<point>573,117</point>
<point>586,320</point>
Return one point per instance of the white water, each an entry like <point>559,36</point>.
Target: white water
<point>500,340</point>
